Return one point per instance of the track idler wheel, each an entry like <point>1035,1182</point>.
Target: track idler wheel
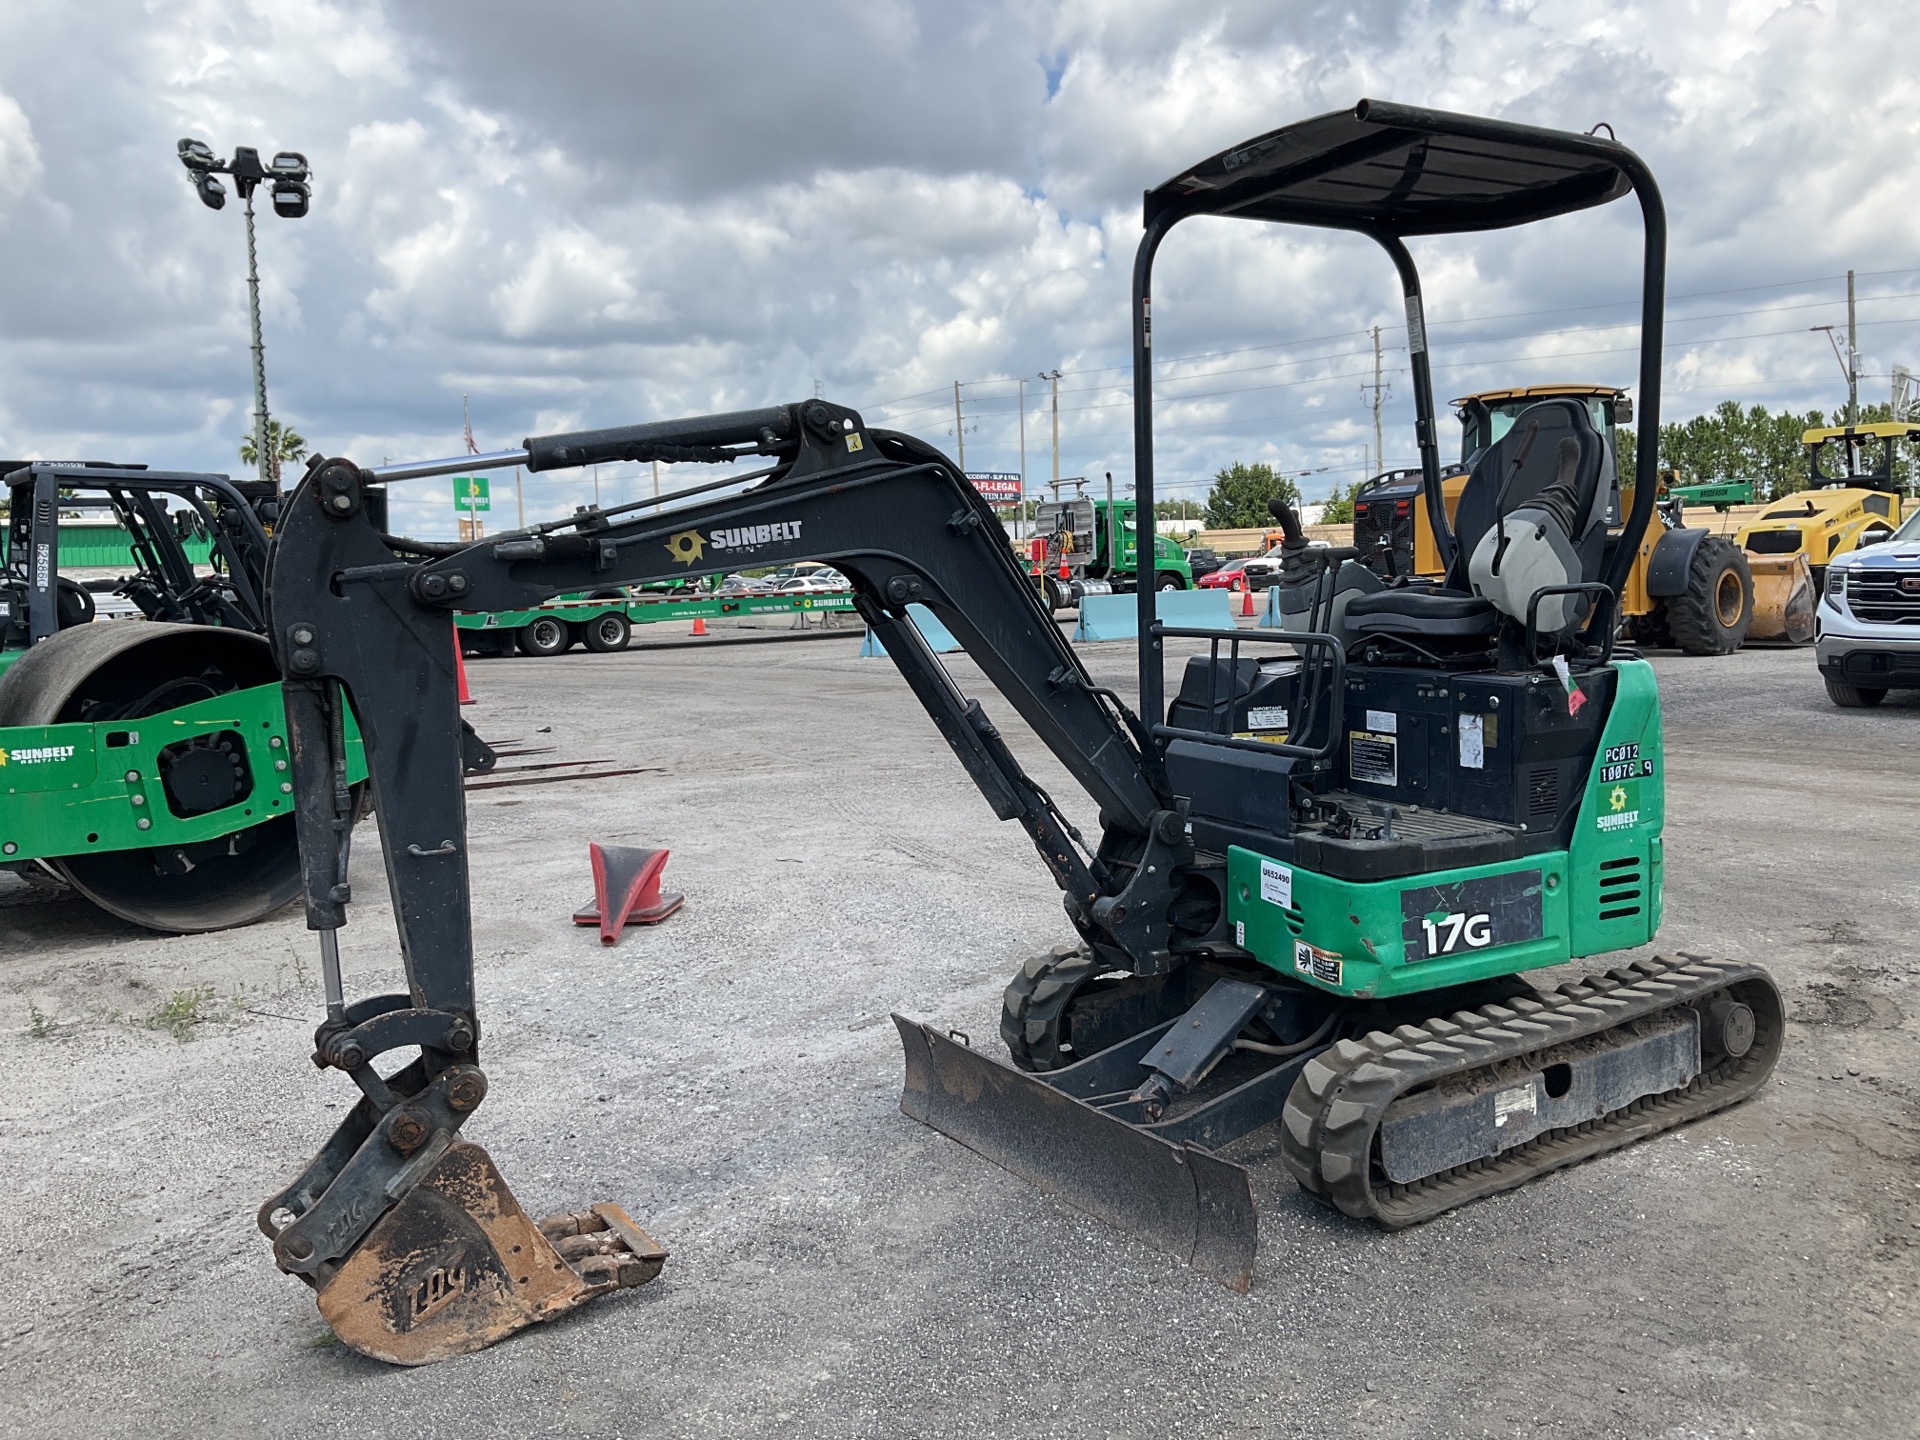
<point>457,1265</point>
<point>132,670</point>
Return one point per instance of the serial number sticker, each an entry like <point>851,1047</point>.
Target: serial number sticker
<point>1623,762</point>
<point>1276,884</point>
<point>1373,758</point>
<point>1267,717</point>
<point>1385,721</point>
<point>1520,1100</point>
<point>1240,933</point>
<point>1321,965</point>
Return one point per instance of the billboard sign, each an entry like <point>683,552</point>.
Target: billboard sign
<point>471,492</point>
<point>996,486</point>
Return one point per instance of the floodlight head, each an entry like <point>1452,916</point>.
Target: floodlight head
<point>197,156</point>
<point>246,169</point>
<point>213,194</point>
<point>290,198</point>
<point>289,165</point>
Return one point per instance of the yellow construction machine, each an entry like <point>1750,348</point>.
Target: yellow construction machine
<point>1687,586</point>
<point>1853,500</point>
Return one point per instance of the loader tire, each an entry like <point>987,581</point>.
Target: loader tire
<point>1034,1010</point>
<point>1651,629</point>
<point>1712,615</point>
<point>1853,697</point>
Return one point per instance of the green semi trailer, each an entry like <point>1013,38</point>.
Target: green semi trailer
<point>606,624</point>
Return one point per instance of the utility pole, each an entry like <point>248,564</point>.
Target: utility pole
<point>1379,389</point>
<point>1021,513</point>
<point>1853,355</point>
<point>1054,376</point>
<point>959,427</point>
<point>656,479</point>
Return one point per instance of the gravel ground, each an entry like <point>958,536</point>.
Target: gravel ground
<point>839,1270</point>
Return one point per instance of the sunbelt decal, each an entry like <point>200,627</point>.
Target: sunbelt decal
<point>1620,806</point>
<point>36,754</point>
<point>690,545</point>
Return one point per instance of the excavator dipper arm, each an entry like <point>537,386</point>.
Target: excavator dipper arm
<point>416,1246</point>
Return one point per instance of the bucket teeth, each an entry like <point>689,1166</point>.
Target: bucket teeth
<point>456,1265</point>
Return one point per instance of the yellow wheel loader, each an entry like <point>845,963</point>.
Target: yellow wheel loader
<point>1853,500</point>
<point>1687,587</point>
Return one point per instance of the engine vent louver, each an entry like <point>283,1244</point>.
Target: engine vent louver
<point>1543,794</point>
<point>1621,889</point>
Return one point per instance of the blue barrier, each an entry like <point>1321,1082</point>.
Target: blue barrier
<point>939,639</point>
<point>1117,617</point>
<point>1270,612</point>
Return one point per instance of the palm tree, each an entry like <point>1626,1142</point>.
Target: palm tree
<point>283,444</point>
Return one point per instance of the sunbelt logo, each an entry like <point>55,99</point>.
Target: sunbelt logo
<point>688,546</point>
<point>36,755</point>
<point>1619,807</point>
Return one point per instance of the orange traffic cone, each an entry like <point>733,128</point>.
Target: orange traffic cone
<point>460,670</point>
<point>699,624</point>
<point>1246,602</point>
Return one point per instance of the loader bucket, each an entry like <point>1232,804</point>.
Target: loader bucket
<point>1174,1196</point>
<point>1783,599</point>
<point>457,1265</point>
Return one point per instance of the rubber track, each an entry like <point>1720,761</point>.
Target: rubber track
<point>1033,1007</point>
<point>1333,1113</point>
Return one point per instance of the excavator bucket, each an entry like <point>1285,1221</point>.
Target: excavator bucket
<point>457,1265</point>
<point>1168,1193</point>
<point>1783,599</point>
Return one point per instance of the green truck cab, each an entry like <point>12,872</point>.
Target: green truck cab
<point>1092,547</point>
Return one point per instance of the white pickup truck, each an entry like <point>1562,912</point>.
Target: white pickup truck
<point>1867,626</point>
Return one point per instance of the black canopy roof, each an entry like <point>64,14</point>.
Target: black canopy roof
<point>1397,170</point>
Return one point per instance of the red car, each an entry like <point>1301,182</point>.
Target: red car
<point>1234,575</point>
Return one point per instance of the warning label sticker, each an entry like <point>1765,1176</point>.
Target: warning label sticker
<point>1373,758</point>
<point>1321,965</point>
<point>1267,717</point>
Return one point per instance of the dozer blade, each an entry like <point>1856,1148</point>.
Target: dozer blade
<point>457,1265</point>
<point>1783,599</point>
<point>1175,1197</point>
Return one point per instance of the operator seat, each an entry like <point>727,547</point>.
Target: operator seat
<point>1548,465</point>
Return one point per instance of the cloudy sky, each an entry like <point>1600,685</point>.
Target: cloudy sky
<point>582,214</point>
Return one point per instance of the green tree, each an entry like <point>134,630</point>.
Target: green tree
<point>283,444</point>
<point>1238,500</point>
<point>1339,509</point>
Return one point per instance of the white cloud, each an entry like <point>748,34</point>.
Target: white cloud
<point>589,215</point>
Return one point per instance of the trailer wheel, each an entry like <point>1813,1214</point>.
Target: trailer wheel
<point>607,633</point>
<point>1712,615</point>
<point>1853,697</point>
<point>545,635</point>
<point>1056,597</point>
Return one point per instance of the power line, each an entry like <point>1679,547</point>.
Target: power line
<point>1463,320</point>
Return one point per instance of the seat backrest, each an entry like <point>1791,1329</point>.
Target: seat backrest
<point>1522,463</point>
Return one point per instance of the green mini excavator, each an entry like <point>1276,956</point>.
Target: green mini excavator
<point>1322,871</point>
